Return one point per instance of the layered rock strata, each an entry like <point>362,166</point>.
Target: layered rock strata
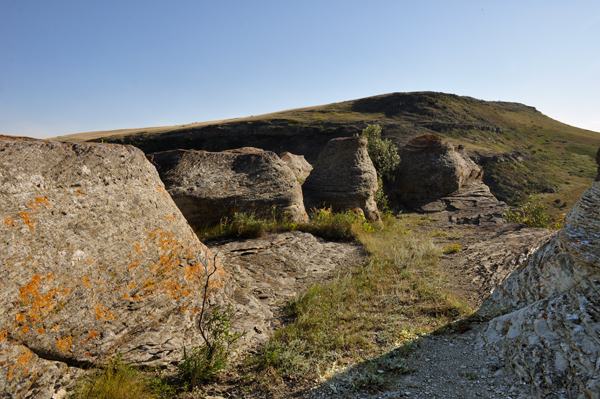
<point>96,260</point>
<point>432,168</point>
<point>211,186</point>
<point>549,334</point>
<point>343,178</point>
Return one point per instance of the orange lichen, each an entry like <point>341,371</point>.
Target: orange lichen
<point>3,335</point>
<point>171,218</point>
<point>27,217</point>
<point>64,343</point>
<point>25,330</point>
<point>79,192</point>
<point>39,202</point>
<point>103,313</point>
<point>10,222</point>
<point>41,330</point>
<point>86,281</point>
<point>162,190</point>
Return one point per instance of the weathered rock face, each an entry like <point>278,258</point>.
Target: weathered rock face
<point>297,164</point>
<point>432,168</point>
<point>96,259</point>
<point>550,334</point>
<point>343,178</point>
<point>208,186</point>
<point>275,268</point>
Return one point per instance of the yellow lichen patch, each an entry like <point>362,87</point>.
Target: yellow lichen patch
<point>131,286</point>
<point>27,217</point>
<point>10,222</point>
<point>64,343</point>
<point>171,218</point>
<point>103,313</point>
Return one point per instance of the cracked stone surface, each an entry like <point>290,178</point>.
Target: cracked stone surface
<point>96,259</point>
<point>549,330</point>
<point>276,267</point>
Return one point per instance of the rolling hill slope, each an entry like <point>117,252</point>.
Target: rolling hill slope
<point>522,151</point>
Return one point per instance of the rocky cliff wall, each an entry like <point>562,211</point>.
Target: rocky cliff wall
<point>549,333</point>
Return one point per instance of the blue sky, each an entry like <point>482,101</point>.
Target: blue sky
<point>77,66</point>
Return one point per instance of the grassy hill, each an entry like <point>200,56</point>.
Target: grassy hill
<point>523,151</point>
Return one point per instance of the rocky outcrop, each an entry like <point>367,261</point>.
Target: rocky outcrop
<point>276,267</point>
<point>432,168</point>
<point>210,186</point>
<point>549,333</point>
<point>96,260</point>
<point>343,178</point>
<point>297,164</point>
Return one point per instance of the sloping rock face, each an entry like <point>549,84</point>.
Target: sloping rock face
<point>96,260</point>
<point>297,164</point>
<point>209,186</point>
<point>432,168</point>
<point>550,334</point>
<point>343,178</point>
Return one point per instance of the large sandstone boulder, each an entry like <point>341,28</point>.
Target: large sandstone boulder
<point>432,168</point>
<point>96,260</point>
<point>297,164</point>
<point>549,333</point>
<point>343,178</point>
<point>209,186</point>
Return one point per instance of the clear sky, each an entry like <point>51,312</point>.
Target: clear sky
<point>75,66</point>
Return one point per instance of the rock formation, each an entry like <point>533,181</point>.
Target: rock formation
<point>549,333</point>
<point>297,164</point>
<point>432,168</point>
<point>96,260</point>
<point>209,186</point>
<point>343,178</point>
<point>276,267</point>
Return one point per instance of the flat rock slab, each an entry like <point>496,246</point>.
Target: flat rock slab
<point>276,267</point>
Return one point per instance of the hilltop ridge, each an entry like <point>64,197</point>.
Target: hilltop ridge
<point>522,151</point>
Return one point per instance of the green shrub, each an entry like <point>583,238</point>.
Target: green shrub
<point>201,363</point>
<point>385,158</point>
<point>451,248</point>
<point>532,214</point>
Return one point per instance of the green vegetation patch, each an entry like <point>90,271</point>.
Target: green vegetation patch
<point>364,312</point>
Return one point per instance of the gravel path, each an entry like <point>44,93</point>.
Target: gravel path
<point>445,366</point>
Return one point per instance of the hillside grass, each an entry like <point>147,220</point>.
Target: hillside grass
<point>384,304</point>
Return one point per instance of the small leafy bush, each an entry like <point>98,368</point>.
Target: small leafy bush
<point>451,248</point>
<point>532,214</point>
<point>385,158</point>
<point>202,363</point>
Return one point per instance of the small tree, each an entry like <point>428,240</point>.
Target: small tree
<point>385,158</point>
